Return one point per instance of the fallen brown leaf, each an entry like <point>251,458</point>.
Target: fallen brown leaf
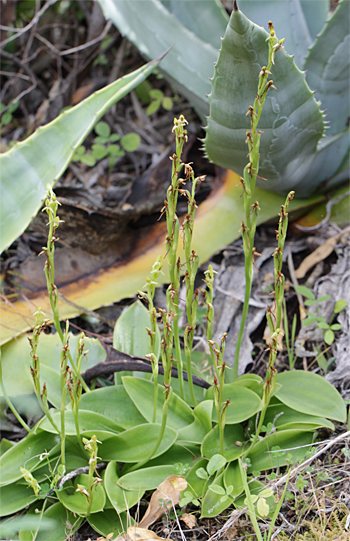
<point>319,254</point>
<point>141,534</point>
<point>168,492</point>
<point>189,520</point>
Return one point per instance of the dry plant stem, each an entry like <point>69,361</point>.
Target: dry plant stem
<point>8,401</point>
<point>248,181</point>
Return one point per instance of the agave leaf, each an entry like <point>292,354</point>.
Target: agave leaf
<point>288,19</point>
<point>328,66</point>
<point>315,18</point>
<point>218,220</point>
<point>29,166</point>
<point>292,122</point>
<point>152,29</point>
<point>206,18</point>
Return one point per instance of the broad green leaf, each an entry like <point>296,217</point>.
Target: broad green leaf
<point>233,442</point>
<point>5,445</point>
<point>283,417</point>
<point>188,65</point>
<point>327,68</point>
<point>181,455</point>
<point>43,157</point>
<point>206,18</point>
<point>88,421</point>
<point>26,454</point>
<point>212,505</point>
<point>294,443</point>
<point>130,335</point>
<point>113,402</point>
<point>122,500</point>
<point>15,359</point>
<point>232,477</point>
<point>285,161</point>
<point>62,524</point>
<point>136,444</point>
<point>305,292</point>
<point>312,394</point>
<point>244,403</point>
<point>10,527</point>
<point>77,502</point>
<point>202,424</point>
<point>195,483</point>
<point>141,393</point>
<point>108,521</point>
<point>15,497</point>
<point>146,478</point>
<point>199,392</point>
<point>315,18</point>
<point>217,224</point>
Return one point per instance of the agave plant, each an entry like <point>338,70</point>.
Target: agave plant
<point>306,139</point>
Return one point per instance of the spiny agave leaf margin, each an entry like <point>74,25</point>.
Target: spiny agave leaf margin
<point>28,167</point>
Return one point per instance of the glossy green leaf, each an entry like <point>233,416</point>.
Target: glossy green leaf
<point>232,477</point>
<point>212,504</point>
<point>136,444</point>
<point>195,483</point>
<point>5,445</point>
<point>122,500</point>
<point>199,392</point>
<point>141,393</point>
<point>182,455</point>
<point>15,497</point>
<point>88,421</point>
<point>130,333</point>
<point>108,521</point>
<point>283,417</point>
<point>189,64</point>
<point>291,442</point>
<point>43,157</point>
<point>327,66</point>
<point>244,403</point>
<point>146,478</point>
<point>26,454</point>
<point>312,394</point>
<point>233,434</point>
<point>202,424</point>
<point>10,527</point>
<point>77,502</point>
<point>114,403</point>
<point>62,524</point>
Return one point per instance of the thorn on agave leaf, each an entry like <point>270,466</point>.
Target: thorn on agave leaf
<point>235,6</point>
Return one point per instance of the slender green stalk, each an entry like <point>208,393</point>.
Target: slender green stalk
<point>64,377</point>
<point>41,395</point>
<point>92,448</point>
<point>152,332</point>
<point>208,301</point>
<point>250,503</point>
<point>8,400</point>
<point>250,173</point>
<point>51,207</point>
<point>274,316</point>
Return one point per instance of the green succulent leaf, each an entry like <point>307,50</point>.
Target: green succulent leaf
<point>130,334</point>
<point>233,438</point>
<point>189,63</point>
<point>77,502</point>
<point>311,394</point>
<point>109,521</point>
<point>292,122</point>
<point>54,525</point>
<point>147,478</point>
<point>121,499</point>
<point>328,68</point>
<point>213,502</point>
<point>15,497</point>
<point>43,157</point>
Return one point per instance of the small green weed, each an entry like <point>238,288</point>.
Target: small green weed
<point>105,146</point>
